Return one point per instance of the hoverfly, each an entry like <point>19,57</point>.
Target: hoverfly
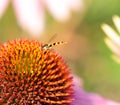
<point>49,46</point>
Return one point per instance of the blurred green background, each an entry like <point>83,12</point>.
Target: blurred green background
<point>86,53</point>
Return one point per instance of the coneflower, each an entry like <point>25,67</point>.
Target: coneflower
<point>33,75</point>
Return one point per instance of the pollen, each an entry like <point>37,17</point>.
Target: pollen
<point>30,75</point>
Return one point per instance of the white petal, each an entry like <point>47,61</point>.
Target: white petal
<point>30,15</point>
<point>111,33</point>
<point>116,20</point>
<point>76,4</point>
<point>114,48</point>
<point>59,9</point>
<point>116,58</point>
<point>3,6</point>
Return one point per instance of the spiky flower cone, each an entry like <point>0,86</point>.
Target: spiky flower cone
<point>30,75</point>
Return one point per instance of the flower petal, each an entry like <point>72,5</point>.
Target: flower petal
<point>116,58</point>
<point>3,6</point>
<point>30,15</point>
<point>77,80</point>
<point>116,20</point>
<point>98,100</point>
<point>115,48</point>
<point>76,4</point>
<point>59,9</point>
<point>80,97</point>
<point>111,33</point>
<point>84,98</point>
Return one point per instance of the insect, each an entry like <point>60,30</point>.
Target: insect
<point>49,46</point>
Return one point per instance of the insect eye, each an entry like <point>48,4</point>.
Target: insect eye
<point>49,46</point>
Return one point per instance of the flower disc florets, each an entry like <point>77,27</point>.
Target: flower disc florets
<point>30,75</point>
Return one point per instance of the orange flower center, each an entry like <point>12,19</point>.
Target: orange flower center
<point>31,75</point>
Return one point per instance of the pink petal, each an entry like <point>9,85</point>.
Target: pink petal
<point>30,15</point>
<point>77,81</point>
<point>84,98</point>
<point>80,97</point>
<point>3,6</point>
<point>101,101</point>
<point>59,9</point>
